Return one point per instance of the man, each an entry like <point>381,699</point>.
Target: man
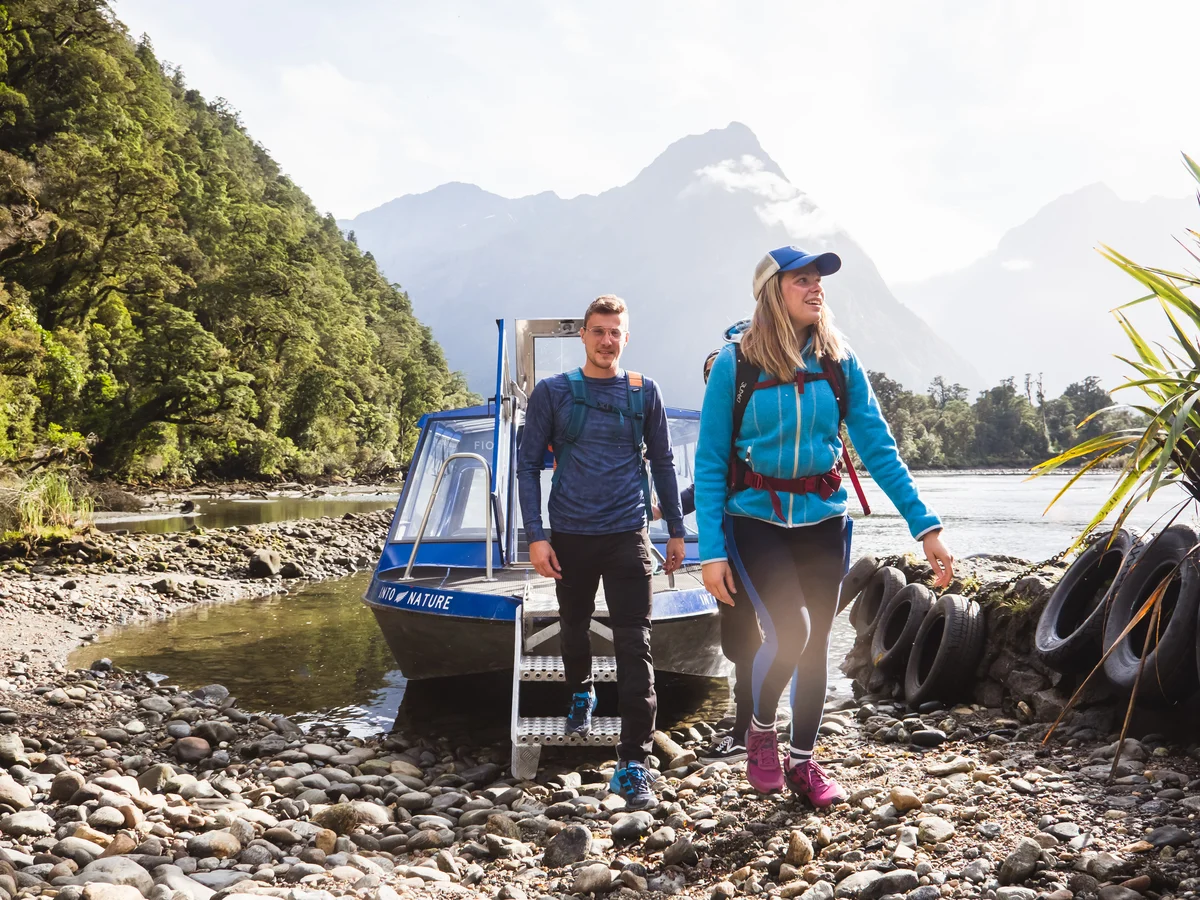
<point>596,419</point>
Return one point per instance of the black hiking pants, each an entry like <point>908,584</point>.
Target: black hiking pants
<point>624,562</point>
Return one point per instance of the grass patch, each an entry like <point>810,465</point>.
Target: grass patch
<point>47,504</point>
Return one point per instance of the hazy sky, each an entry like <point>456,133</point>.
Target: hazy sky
<point>926,129</point>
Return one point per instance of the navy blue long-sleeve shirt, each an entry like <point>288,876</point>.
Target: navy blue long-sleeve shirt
<point>599,490</point>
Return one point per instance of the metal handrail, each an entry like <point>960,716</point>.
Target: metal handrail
<point>488,510</point>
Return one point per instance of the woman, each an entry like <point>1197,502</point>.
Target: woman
<point>770,508</point>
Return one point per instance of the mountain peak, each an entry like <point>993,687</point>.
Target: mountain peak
<point>677,166</point>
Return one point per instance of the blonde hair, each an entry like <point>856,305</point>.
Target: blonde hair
<point>771,342</point>
<point>605,304</point>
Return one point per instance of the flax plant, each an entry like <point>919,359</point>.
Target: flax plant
<point>1165,451</point>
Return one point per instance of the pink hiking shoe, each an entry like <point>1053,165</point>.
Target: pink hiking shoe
<point>762,760</point>
<point>813,783</point>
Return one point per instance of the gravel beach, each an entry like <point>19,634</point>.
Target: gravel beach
<point>116,788</point>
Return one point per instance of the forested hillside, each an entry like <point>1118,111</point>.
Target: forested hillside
<point>168,297</point>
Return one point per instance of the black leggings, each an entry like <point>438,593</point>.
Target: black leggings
<point>792,576</point>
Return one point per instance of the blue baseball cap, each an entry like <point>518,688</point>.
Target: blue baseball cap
<point>785,259</point>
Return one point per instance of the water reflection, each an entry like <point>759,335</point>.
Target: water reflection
<point>228,513</point>
<point>317,655</point>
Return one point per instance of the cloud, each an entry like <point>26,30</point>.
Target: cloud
<point>784,205</point>
<point>1016,265</point>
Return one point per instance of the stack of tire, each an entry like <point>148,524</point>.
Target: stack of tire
<point>931,645</point>
<point>1091,609</point>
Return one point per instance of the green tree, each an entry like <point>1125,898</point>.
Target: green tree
<point>168,289</point>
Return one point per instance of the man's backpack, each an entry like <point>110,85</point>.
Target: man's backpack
<point>635,411</point>
<point>746,383</point>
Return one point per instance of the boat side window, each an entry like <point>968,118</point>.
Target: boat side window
<point>458,512</point>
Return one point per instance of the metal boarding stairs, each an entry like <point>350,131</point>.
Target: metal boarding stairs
<point>536,625</point>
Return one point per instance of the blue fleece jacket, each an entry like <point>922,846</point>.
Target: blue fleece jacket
<point>791,434</point>
<point>600,489</point>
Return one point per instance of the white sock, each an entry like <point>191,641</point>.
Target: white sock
<point>761,726</point>
<point>799,756</point>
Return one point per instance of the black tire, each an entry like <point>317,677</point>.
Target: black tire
<point>899,622</point>
<point>879,590</point>
<point>856,579</point>
<point>945,652</point>
<point>1070,631</point>
<point>1169,674</point>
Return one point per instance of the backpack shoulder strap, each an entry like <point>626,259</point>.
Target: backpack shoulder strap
<point>837,380</point>
<point>562,449</point>
<point>579,394</point>
<point>744,380</point>
<point>637,408</point>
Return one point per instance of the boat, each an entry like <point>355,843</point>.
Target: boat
<point>454,582</point>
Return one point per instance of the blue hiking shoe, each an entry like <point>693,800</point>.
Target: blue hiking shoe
<point>632,781</point>
<point>579,719</point>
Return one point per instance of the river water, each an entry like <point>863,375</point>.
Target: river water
<point>228,512</point>
<point>316,654</point>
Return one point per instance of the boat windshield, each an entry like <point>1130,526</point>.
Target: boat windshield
<point>459,510</point>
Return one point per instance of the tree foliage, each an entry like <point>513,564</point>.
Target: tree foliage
<point>165,288</point>
<point>1005,426</point>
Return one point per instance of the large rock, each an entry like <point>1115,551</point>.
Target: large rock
<point>899,881</point>
<point>28,823</point>
<point>934,830</point>
<point>112,870</point>
<point>800,850</point>
<point>220,844</point>
<point>12,750</point>
<point>592,879</point>
<point>852,886</point>
<point>174,878</point>
<point>155,778</point>
<point>568,846</point>
<point>215,732</point>
<point>15,795</point>
<point>65,785</point>
<point>372,813</point>
<point>78,850</point>
<point>191,749</point>
<point>632,827</point>
<point>1021,863</point>
<point>265,564</point>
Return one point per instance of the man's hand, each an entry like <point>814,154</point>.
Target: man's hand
<point>718,581</point>
<point>941,560</point>
<point>675,554</point>
<point>541,554</point>
<point>655,513</point>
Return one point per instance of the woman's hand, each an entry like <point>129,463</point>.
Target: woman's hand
<point>718,581</point>
<point>941,560</point>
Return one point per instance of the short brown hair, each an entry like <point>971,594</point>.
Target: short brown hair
<point>606,304</point>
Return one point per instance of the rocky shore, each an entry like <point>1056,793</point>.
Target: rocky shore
<point>55,594</point>
<point>115,788</point>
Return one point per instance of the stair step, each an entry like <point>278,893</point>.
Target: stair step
<point>550,668</point>
<point>551,731</point>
